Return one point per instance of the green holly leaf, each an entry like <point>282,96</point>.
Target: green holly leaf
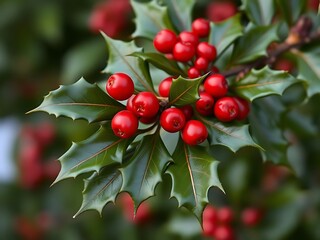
<point>181,13</point>
<point>225,33</point>
<point>291,10</point>
<point>184,91</point>
<point>161,62</point>
<point>265,121</point>
<point>119,60</point>
<point>80,100</point>
<point>101,149</point>
<point>263,82</point>
<point>253,43</point>
<point>100,189</point>
<point>228,135</point>
<point>193,173</point>
<point>259,12</point>
<point>309,68</point>
<point>150,18</point>
<point>144,170</point>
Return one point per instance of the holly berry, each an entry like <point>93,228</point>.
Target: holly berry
<point>148,120</point>
<point>219,11</point>
<point>172,120</point>
<point>201,27</point>
<point>145,104</point>
<point>193,72</point>
<point>187,111</point>
<point>165,40</point>
<point>204,104</point>
<point>130,103</point>
<point>223,232</point>
<point>244,108</point>
<point>183,52</point>
<point>206,51</point>
<point>194,132</point>
<point>251,216</point>
<point>120,86</point>
<point>164,87</point>
<point>189,37</point>
<point>201,63</point>
<point>216,85</point>
<point>225,215</point>
<point>226,109</point>
<point>124,124</point>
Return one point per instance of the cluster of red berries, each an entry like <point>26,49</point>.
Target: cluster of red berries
<point>187,47</point>
<point>217,222</point>
<point>33,141</point>
<point>145,107</point>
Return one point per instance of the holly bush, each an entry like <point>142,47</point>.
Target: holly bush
<point>203,91</point>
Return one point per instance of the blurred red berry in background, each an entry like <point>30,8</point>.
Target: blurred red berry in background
<point>219,11</point>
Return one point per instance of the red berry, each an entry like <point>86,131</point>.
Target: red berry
<point>244,108</point>
<point>172,120</point>
<point>251,216</point>
<point>204,104</point>
<point>201,27</point>
<point>194,132</point>
<point>130,103</point>
<point>219,11</point>
<point>164,87</point>
<point>183,52</point>
<point>201,63</point>
<point>145,104</point>
<point>214,69</point>
<point>206,51</point>
<point>165,40</point>
<point>148,120</point>
<point>223,232</point>
<point>216,85</point>
<point>208,228</point>
<point>193,72</point>
<point>124,124</point>
<point>225,215</point>
<point>209,213</point>
<point>189,37</point>
<point>226,109</point>
<point>120,86</point>
<point>187,111</point>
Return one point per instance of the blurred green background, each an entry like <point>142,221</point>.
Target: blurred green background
<point>47,43</point>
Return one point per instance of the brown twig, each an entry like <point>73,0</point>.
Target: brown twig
<point>296,39</point>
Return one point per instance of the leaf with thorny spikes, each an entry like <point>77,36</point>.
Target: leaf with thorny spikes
<point>144,170</point>
<point>100,189</point>
<point>80,100</point>
<point>193,173</point>
<point>100,150</point>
